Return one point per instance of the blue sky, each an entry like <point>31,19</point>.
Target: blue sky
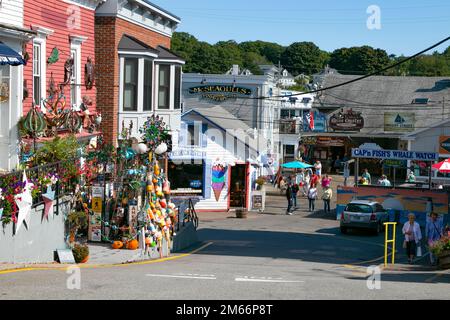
<point>407,26</point>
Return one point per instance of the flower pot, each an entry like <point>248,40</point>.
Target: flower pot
<point>444,259</point>
<point>241,213</point>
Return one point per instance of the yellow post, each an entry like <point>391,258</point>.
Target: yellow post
<point>387,241</point>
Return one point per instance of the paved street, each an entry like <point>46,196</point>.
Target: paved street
<point>267,256</point>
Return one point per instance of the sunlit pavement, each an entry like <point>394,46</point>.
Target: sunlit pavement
<point>270,255</point>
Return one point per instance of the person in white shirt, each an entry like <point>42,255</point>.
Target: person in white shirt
<point>413,235</point>
<point>312,196</point>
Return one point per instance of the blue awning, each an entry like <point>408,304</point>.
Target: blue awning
<point>9,56</point>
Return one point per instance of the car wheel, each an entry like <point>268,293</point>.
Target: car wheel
<point>343,230</point>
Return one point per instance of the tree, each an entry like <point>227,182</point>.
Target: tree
<point>358,60</point>
<point>303,57</point>
<point>271,51</point>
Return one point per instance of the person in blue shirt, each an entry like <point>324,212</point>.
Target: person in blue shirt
<point>433,232</point>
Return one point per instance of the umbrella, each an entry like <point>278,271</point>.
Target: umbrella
<point>443,166</point>
<point>296,165</point>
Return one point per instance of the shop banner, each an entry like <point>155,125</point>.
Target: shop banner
<point>395,154</point>
<point>399,121</point>
<point>444,144</point>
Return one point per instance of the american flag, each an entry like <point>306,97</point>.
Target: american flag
<point>310,120</point>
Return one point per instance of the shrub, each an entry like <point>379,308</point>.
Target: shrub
<point>80,252</point>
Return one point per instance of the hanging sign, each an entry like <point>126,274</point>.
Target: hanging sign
<point>399,121</point>
<point>444,144</point>
<point>348,120</point>
<point>395,154</point>
<point>219,93</point>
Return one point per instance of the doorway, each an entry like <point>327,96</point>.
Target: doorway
<point>238,186</point>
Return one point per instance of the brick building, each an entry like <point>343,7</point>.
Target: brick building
<point>137,74</point>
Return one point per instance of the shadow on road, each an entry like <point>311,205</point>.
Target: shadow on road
<point>288,245</point>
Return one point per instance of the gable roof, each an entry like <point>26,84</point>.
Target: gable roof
<point>130,43</point>
<point>224,120</point>
<point>168,54</point>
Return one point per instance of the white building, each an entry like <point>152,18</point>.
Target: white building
<point>12,37</point>
<point>283,78</point>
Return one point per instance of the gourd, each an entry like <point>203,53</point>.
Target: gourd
<point>117,245</point>
<point>132,245</point>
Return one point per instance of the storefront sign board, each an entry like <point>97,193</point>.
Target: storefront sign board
<point>395,155</point>
<point>444,144</point>
<point>399,121</point>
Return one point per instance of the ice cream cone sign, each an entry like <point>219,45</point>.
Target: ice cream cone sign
<point>219,170</point>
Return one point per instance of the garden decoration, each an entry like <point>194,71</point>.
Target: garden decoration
<point>34,123</point>
<point>218,178</point>
<point>24,202</point>
<point>48,198</point>
<point>68,70</point>
<point>89,74</point>
<point>54,56</point>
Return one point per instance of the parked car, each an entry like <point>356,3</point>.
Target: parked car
<point>360,214</point>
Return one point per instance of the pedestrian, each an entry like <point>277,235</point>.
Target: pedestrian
<point>295,190</point>
<point>300,177</point>
<point>326,181</point>
<point>314,180</point>
<point>306,181</point>
<point>384,181</point>
<point>434,230</point>
<point>346,173</point>
<point>411,178</point>
<point>367,176</point>
<point>413,235</point>
<point>282,185</point>
<point>337,164</point>
<point>326,197</point>
<point>318,168</point>
<point>289,192</point>
<point>312,196</point>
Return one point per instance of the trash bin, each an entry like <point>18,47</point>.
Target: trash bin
<point>241,213</point>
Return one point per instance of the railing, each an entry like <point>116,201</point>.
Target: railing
<point>188,216</point>
<point>288,126</point>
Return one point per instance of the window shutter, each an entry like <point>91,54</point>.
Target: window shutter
<point>182,137</point>
<point>208,179</point>
<point>204,143</point>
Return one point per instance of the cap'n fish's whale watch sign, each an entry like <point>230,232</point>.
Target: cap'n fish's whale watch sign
<point>220,93</point>
<point>395,154</point>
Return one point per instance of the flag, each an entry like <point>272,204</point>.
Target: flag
<point>309,121</point>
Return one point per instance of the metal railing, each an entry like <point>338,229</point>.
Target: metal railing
<point>188,216</point>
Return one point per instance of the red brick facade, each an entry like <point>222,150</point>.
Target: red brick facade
<point>109,32</point>
<point>58,16</point>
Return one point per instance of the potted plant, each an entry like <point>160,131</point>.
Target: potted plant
<point>77,220</point>
<point>441,249</point>
<point>80,253</point>
<point>260,183</point>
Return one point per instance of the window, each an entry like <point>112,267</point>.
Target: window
<point>177,101</point>
<point>130,85</point>
<point>164,87</point>
<point>148,76</point>
<point>420,101</point>
<point>192,139</point>
<point>37,73</point>
<point>73,79</point>
<point>186,177</point>
<point>357,207</point>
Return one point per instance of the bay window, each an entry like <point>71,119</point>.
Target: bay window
<point>164,87</point>
<point>130,85</point>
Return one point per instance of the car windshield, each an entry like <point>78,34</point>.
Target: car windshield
<point>358,207</point>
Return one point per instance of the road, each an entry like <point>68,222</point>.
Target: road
<point>267,256</point>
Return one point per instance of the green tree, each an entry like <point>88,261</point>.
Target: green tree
<point>303,57</point>
<point>358,60</point>
<point>271,51</point>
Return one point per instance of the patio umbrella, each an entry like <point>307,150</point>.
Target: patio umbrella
<point>443,166</point>
<point>296,165</point>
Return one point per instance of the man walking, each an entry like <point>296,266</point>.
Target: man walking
<point>289,193</point>
<point>295,190</point>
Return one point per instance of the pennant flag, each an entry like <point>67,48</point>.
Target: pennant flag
<point>24,202</point>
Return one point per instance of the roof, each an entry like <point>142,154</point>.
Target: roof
<point>130,43</point>
<point>368,202</point>
<point>167,54</point>
<point>376,95</point>
<point>161,9</point>
<point>226,121</point>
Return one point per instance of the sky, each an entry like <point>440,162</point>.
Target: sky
<point>406,26</point>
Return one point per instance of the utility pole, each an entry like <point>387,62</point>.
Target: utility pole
<point>443,108</point>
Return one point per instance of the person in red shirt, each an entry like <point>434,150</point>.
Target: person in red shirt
<point>314,180</point>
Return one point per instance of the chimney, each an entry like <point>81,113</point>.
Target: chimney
<point>235,71</point>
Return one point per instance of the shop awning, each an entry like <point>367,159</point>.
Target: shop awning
<point>9,56</point>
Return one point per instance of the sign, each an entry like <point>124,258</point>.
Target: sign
<point>65,256</point>
<point>347,121</point>
<point>399,121</point>
<point>395,155</point>
<point>97,205</point>
<point>220,93</point>
<point>444,144</point>
<point>97,192</point>
<point>394,163</point>
<point>96,234</point>
<point>257,201</point>
<point>330,142</point>
<point>320,122</point>
<point>188,153</point>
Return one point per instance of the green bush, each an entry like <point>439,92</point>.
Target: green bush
<point>80,252</point>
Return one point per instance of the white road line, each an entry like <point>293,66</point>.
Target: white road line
<point>182,276</point>
<point>246,279</point>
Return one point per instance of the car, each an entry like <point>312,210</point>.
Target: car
<point>362,214</point>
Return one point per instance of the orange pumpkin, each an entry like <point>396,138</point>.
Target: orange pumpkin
<point>117,245</point>
<point>132,245</point>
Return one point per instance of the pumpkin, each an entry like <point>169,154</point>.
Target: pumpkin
<point>117,245</point>
<point>132,245</point>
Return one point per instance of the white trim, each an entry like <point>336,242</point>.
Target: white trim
<point>43,67</point>
<point>172,88</point>
<point>165,61</point>
<point>162,13</point>
<point>121,78</point>
<point>77,40</point>
<point>140,86</point>
<point>77,61</point>
<point>143,25</point>
<point>42,32</point>
<point>15,34</point>
<point>87,4</point>
<point>134,53</point>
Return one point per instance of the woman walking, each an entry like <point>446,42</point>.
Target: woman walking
<point>326,197</point>
<point>433,232</point>
<point>413,235</point>
<point>312,196</point>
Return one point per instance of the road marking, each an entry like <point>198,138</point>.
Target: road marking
<point>93,266</point>
<point>182,276</point>
<point>254,279</point>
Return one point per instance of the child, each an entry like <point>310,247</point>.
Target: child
<point>312,196</point>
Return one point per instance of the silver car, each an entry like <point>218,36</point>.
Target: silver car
<point>364,215</point>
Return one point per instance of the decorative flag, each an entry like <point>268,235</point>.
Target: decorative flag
<point>48,202</point>
<point>24,202</point>
<point>218,178</point>
<point>311,121</point>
